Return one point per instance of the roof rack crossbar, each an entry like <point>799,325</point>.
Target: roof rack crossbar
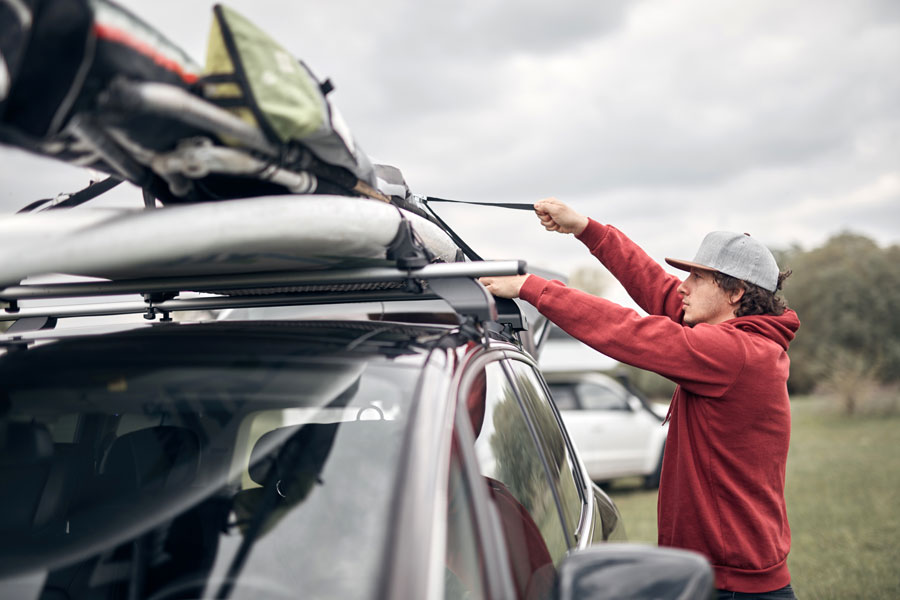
<point>454,283</point>
<point>105,309</point>
<point>259,280</point>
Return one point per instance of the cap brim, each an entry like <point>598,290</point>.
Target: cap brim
<point>686,265</point>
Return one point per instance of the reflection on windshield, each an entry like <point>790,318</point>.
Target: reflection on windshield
<point>174,481</point>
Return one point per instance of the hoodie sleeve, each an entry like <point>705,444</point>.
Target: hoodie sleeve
<point>648,284</point>
<point>705,359</point>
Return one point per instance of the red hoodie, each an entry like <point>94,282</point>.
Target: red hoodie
<point>722,486</point>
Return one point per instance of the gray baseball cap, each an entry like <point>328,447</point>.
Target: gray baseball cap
<point>735,254</point>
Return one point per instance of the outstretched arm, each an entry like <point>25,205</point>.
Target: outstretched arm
<point>554,216</point>
<point>648,284</point>
<point>705,359</point>
<point>645,280</point>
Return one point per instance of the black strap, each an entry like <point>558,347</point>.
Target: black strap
<point>88,193</point>
<point>79,197</point>
<point>512,205</point>
<point>34,205</point>
<point>217,78</point>
<point>458,240</point>
<point>228,102</point>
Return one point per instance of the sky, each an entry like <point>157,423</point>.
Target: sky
<point>666,119</point>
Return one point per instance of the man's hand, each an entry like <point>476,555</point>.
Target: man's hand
<point>504,287</point>
<point>557,216</point>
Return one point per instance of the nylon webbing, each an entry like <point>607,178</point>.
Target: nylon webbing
<point>512,205</point>
<point>467,250</point>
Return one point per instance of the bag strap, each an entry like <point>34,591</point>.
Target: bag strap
<point>79,197</point>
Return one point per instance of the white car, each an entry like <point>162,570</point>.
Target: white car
<point>618,433</point>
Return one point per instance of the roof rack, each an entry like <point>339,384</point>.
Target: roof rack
<point>455,283</point>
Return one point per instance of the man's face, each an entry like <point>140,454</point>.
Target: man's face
<point>703,300</point>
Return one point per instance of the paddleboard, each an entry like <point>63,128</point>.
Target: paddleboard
<point>278,233</point>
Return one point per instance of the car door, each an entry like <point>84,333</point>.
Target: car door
<point>513,470</point>
<point>565,473</point>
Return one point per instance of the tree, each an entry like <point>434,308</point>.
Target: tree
<point>846,293</point>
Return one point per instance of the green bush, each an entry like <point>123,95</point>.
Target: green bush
<point>846,294</point>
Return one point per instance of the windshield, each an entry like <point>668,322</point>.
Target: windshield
<point>177,477</point>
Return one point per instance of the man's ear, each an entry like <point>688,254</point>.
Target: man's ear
<point>735,297</point>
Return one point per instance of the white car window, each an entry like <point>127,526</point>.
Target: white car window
<point>594,396</point>
<point>564,397</point>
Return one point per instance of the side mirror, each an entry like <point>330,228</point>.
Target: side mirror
<point>637,572</point>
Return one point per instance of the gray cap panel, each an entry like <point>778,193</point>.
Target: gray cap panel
<point>735,254</point>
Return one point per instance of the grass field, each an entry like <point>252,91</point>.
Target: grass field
<point>843,495</point>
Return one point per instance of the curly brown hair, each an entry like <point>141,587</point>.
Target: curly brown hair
<point>756,300</point>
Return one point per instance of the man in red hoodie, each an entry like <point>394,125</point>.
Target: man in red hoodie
<point>722,335</point>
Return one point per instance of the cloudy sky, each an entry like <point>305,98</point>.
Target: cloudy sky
<point>667,119</point>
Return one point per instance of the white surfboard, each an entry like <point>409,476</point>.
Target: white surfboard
<point>278,233</point>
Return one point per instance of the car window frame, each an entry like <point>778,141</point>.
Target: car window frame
<point>498,579</point>
<point>575,531</point>
<point>471,526</point>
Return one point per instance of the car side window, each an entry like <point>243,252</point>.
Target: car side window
<point>517,482</point>
<point>559,459</point>
<point>594,396</point>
